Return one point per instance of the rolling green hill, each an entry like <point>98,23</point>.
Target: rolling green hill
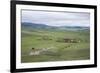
<point>54,43</point>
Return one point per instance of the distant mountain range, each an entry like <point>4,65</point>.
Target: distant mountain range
<point>44,26</point>
<point>34,25</point>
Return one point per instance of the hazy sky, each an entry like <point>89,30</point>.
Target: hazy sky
<point>56,18</point>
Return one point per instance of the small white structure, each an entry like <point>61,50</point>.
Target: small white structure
<point>34,53</point>
<point>39,51</point>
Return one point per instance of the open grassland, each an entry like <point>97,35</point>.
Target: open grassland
<point>61,45</point>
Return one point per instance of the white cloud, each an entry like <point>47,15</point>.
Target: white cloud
<point>56,18</point>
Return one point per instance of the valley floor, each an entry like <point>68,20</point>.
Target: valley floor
<point>54,45</point>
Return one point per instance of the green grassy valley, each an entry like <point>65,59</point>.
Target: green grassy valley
<point>54,44</point>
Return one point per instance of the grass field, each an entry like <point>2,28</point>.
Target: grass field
<point>54,44</point>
